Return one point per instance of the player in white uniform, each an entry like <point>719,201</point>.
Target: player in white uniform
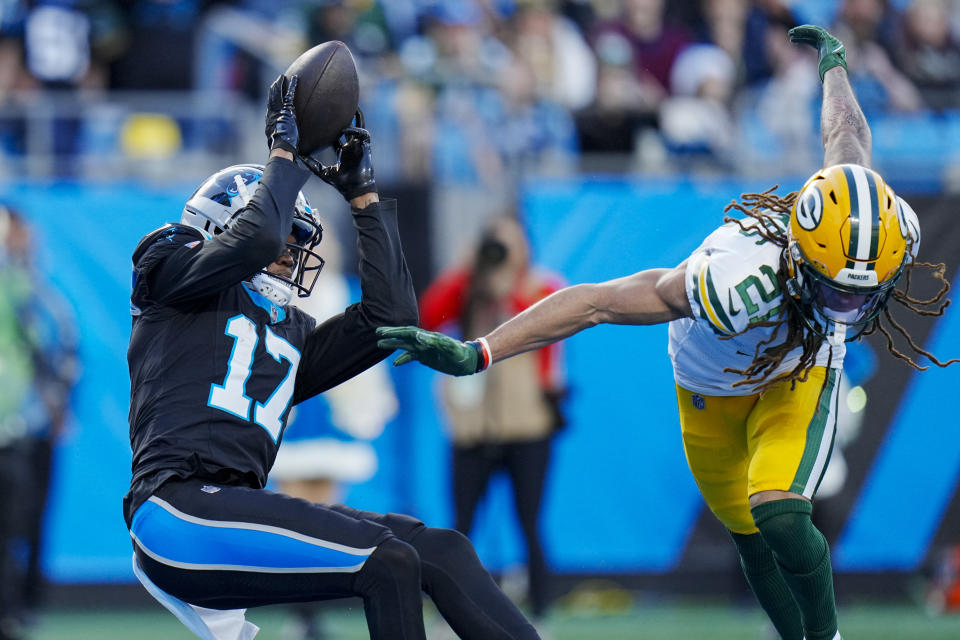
<point>758,314</point>
<point>732,283</point>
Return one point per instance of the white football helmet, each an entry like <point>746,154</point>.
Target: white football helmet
<point>217,203</point>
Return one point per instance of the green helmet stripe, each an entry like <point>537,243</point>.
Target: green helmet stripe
<point>874,219</point>
<point>854,214</point>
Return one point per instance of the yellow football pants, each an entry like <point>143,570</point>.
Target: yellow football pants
<point>779,439</point>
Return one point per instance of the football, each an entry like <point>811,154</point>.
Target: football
<point>327,93</point>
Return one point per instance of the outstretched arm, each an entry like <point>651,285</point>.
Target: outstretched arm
<point>846,136</point>
<point>647,297</point>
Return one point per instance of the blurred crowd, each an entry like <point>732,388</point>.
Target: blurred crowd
<point>482,92</point>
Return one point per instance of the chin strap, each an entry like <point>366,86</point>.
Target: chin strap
<point>839,334</point>
<point>273,289</point>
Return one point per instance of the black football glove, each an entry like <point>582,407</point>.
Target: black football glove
<point>352,175</point>
<point>281,121</point>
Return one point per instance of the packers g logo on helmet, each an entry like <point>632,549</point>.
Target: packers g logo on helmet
<point>847,248</point>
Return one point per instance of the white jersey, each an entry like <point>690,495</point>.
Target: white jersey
<point>731,282</point>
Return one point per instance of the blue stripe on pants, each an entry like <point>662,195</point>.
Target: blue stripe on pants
<point>177,539</point>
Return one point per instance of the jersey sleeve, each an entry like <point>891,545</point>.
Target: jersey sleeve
<point>254,239</point>
<point>346,344</point>
<point>712,276</point>
<point>152,249</point>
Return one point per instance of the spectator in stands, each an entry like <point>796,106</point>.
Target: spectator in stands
<point>784,104</point>
<point>12,72</point>
<point>696,120</point>
<point>564,67</point>
<point>635,53</point>
<point>739,27</point>
<point>62,48</point>
<point>461,45</point>
<point>459,60</point>
<point>530,132</point>
<point>867,28</point>
<point>365,31</point>
<point>485,100</point>
<point>929,53</point>
<point>623,105</point>
<point>726,22</point>
<point>654,44</point>
<point>158,30</point>
<point>504,421</point>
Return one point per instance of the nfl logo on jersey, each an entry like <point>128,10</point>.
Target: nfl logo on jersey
<point>698,401</point>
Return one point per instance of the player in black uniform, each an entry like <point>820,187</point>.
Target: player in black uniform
<point>216,360</point>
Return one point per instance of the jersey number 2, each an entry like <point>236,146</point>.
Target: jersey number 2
<point>232,397</point>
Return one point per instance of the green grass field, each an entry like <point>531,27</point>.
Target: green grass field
<point>673,620</point>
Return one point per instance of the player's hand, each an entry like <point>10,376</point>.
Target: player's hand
<point>831,50</point>
<point>281,121</point>
<point>437,351</point>
<point>352,175</point>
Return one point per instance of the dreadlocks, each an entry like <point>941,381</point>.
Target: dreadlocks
<point>767,215</point>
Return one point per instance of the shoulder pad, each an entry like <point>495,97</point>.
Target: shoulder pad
<point>168,233</point>
<point>732,282</point>
<point>707,299</point>
<point>299,315</point>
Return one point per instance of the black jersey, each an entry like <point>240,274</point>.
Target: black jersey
<point>215,366</point>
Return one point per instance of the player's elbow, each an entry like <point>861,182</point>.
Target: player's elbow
<point>399,309</point>
<point>672,294</point>
<point>406,313</point>
<point>597,304</point>
<point>403,309</point>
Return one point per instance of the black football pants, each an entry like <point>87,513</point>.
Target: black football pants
<point>226,547</point>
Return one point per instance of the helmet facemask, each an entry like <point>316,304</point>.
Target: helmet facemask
<point>837,312</point>
<point>307,232</point>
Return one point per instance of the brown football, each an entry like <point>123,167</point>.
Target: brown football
<point>327,93</point>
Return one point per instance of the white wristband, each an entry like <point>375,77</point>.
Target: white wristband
<point>487,354</point>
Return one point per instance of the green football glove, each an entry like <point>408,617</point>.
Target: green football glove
<point>437,351</point>
<point>832,53</point>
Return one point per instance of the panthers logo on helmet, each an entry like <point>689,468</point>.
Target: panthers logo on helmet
<point>224,188</point>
